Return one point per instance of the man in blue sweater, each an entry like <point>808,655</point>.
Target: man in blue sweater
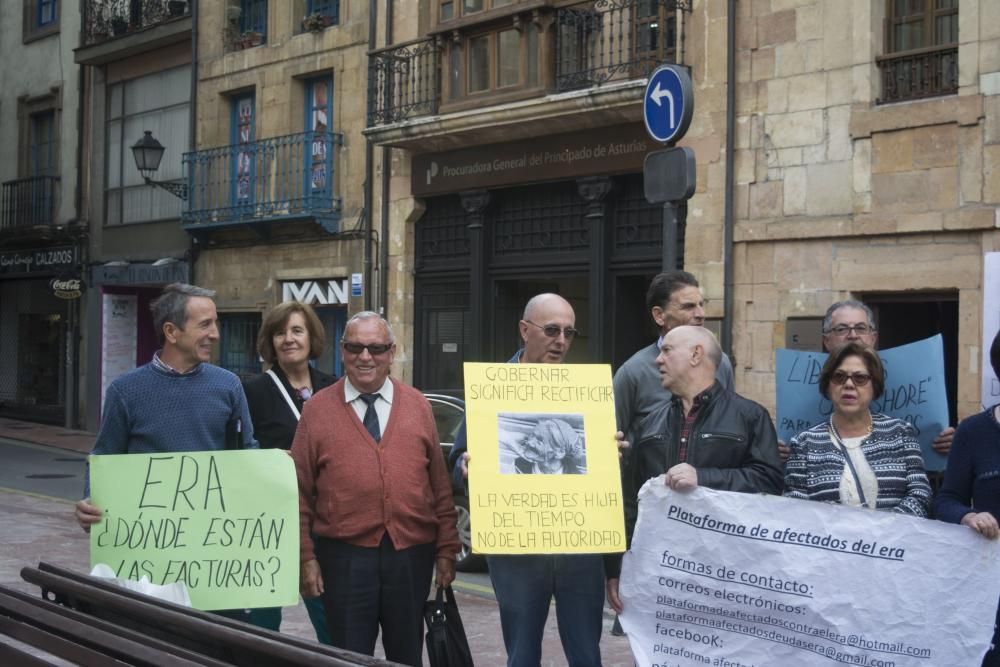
<point>177,402</point>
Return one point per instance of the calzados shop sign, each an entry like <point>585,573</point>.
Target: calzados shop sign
<point>59,259</point>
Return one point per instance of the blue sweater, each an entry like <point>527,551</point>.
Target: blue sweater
<point>972,478</point>
<point>149,411</point>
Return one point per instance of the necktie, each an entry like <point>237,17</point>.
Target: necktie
<point>371,417</point>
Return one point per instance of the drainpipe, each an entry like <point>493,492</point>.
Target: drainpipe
<point>383,236</point>
<point>369,169</point>
<point>192,253</point>
<point>727,234</point>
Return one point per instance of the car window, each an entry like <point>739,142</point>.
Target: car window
<point>447,417</point>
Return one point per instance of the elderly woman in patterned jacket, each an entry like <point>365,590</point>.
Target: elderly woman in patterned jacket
<point>858,458</point>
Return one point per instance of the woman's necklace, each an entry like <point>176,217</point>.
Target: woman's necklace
<point>835,435</point>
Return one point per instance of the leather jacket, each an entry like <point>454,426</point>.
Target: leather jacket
<point>732,445</point>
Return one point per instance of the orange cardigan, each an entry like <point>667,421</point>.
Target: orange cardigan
<point>355,490</point>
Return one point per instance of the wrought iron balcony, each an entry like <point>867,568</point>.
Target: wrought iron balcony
<point>403,82</point>
<point>913,75</point>
<point>265,181</point>
<point>614,40</point>
<point>28,202</point>
<point>595,42</point>
<point>107,19</point>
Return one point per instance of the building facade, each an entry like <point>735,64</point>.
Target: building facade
<point>137,59</point>
<point>515,167</point>
<point>867,165</point>
<point>864,164</point>
<point>42,239</point>
<point>276,205</point>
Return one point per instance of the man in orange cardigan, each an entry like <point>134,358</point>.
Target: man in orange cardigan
<point>375,502</point>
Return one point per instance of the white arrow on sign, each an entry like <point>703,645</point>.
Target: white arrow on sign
<point>658,94</point>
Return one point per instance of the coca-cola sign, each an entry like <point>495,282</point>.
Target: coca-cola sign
<point>66,288</point>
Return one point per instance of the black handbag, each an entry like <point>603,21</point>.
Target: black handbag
<point>447,645</point>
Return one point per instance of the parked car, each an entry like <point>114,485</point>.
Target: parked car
<point>449,412</point>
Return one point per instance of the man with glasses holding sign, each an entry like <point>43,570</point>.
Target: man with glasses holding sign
<point>851,321</point>
<point>526,584</point>
<point>376,510</point>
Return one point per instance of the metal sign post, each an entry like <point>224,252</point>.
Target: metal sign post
<point>669,175</point>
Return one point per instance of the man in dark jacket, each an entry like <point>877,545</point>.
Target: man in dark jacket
<point>706,436</point>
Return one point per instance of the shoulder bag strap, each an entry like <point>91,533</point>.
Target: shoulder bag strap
<point>850,464</point>
<point>284,392</point>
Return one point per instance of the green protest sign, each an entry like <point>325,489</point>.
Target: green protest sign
<point>225,523</point>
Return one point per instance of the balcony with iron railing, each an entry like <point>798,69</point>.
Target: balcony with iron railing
<point>113,29</point>
<point>262,183</point>
<point>28,202</point>
<point>587,46</point>
<point>920,73</point>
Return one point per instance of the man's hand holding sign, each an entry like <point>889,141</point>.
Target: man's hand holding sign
<point>707,436</point>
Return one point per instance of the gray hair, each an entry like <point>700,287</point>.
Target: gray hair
<point>370,315</point>
<point>171,306</point>
<point>847,303</point>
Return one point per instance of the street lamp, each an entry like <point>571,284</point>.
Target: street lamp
<point>147,153</point>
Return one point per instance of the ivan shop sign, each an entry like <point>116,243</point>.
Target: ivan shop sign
<point>59,259</point>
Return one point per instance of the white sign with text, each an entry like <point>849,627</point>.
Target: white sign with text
<point>733,579</point>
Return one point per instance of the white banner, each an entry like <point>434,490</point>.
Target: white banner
<point>741,580</point>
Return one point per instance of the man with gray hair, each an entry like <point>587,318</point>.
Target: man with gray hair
<point>706,436</point>
<point>851,321</point>
<point>178,402</point>
<point>375,505</point>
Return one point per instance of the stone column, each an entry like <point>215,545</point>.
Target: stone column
<point>475,202</point>
<point>595,191</point>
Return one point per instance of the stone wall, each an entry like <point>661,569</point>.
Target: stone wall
<point>838,196</point>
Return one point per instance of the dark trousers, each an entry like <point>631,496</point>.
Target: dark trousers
<point>366,588</point>
<point>525,586</point>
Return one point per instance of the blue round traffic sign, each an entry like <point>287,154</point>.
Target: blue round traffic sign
<point>668,104</point>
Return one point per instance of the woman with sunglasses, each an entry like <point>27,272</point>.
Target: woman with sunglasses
<point>289,337</point>
<point>858,458</point>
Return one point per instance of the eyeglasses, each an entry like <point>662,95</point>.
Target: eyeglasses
<point>843,330</point>
<point>552,331</point>
<point>374,349</point>
<point>857,377</point>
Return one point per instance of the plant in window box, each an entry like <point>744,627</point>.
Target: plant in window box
<point>315,22</point>
<point>251,38</point>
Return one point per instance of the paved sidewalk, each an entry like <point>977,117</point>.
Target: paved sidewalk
<point>42,434</point>
<point>37,528</point>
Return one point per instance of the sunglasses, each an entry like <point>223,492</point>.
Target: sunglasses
<point>552,331</point>
<point>374,349</point>
<point>857,377</point>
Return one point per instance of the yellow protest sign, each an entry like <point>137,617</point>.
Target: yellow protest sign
<point>543,466</point>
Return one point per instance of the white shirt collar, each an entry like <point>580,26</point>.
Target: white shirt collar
<point>351,393</point>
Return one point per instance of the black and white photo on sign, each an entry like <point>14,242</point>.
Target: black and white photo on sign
<point>541,444</point>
